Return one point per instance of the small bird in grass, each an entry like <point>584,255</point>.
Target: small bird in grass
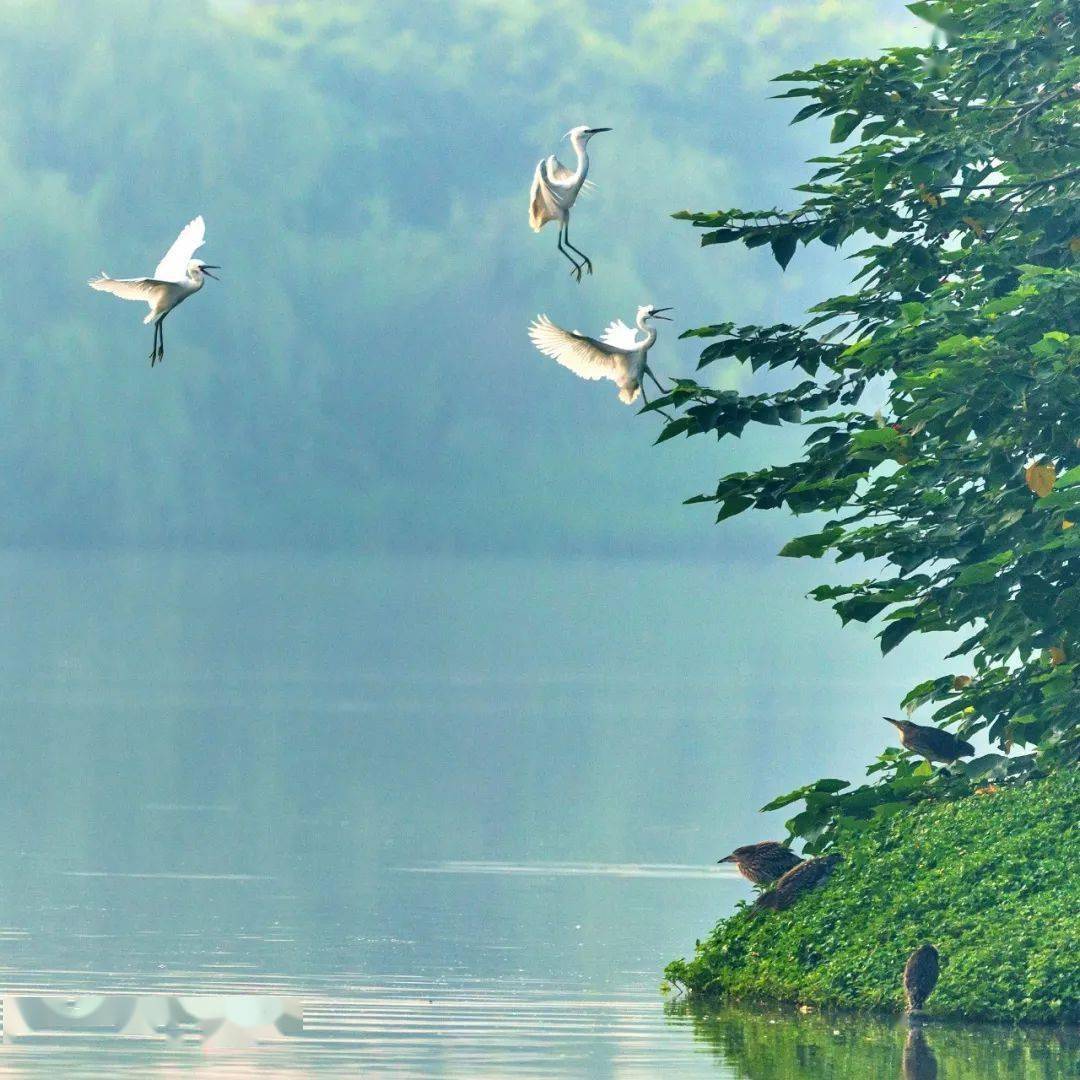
<point>176,277</point>
<point>619,355</point>
<point>763,863</point>
<point>920,976</point>
<point>555,189</point>
<point>798,880</point>
<point>932,743</point>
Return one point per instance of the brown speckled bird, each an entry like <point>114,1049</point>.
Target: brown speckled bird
<point>930,742</point>
<point>763,863</point>
<point>798,880</point>
<point>920,976</point>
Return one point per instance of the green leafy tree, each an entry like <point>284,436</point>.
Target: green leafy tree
<point>957,180</point>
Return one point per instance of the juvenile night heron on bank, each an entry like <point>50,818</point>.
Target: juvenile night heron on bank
<point>763,863</point>
<point>555,189</point>
<point>920,976</point>
<point>620,355</point>
<point>797,881</point>
<point>176,277</point>
<point>931,743</point>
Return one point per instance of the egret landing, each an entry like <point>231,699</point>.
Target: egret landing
<point>555,189</point>
<point>619,355</point>
<point>176,277</point>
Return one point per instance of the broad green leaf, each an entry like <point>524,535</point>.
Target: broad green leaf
<point>844,125</point>
<point>913,312</point>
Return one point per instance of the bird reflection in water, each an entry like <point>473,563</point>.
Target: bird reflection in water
<point>919,1060</point>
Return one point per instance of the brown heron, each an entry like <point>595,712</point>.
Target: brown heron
<point>763,863</point>
<point>798,880</point>
<point>931,743</point>
<point>920,976</point>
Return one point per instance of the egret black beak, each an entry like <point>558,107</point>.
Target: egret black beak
<point>596,131</point>
<point>656,314</point>
<point>206,270</point>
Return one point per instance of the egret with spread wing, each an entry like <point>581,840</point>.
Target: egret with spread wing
<point>177,277</point>
<point>555,189</point>
<point>619,355</point>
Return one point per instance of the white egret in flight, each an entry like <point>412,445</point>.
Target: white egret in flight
<point>555,189</point>
<point>619,355</point>
<point>176,277</point>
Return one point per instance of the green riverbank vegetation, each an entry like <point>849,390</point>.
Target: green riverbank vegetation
<point>991,881</point>
<point>939,402</point>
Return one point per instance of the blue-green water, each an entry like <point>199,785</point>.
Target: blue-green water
<point>465,810</point>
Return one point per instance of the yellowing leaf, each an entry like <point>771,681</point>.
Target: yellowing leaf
<point>1057,655</point>
<point>1066,523</point>
<point>1074,244</point>
<point>1040,479</point>
<point>976,227</point>
<point>930,198</point>
<point>961,681</point>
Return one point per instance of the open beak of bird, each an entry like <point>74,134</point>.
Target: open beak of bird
<point>656,314</point>
<point>206,270</point>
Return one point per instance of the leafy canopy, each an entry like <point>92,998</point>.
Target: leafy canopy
<point>959,183</point>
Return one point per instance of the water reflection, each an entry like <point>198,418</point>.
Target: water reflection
<point>481,1028</point>
<point>420,796</point>
<point>577,869</point>
<point>223,1021</point>
<point>772,1043</point>
<point>919,1060</point>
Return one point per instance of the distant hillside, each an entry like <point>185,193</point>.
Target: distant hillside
<point>360,377</point>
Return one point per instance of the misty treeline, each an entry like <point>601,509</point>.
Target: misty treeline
<point>360,378</point>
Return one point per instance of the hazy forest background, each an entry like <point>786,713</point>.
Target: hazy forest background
<point>361,377</point>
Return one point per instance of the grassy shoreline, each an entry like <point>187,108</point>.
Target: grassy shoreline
<point>992,880</point>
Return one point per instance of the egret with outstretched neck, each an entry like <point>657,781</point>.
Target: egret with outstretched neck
<point>176,277</point>
<point>619,355</point>
<point>555,189</point>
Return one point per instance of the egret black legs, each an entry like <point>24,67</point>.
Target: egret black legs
<point>656,381</point>
<point>586,262</point>
<point>577,266</point>
<point>157,350</point>
<point>641,387</point>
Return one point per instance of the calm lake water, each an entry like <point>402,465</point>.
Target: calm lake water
<point>465,811</point>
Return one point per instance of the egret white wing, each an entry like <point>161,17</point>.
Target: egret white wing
<point>542,208</point>
<point>174,263</point>
<point>549,200</point>
<point>146,289</point>
<point>561,176</point>
<point>557,172</point>
<point>583,355</point>
<point>620,336</point>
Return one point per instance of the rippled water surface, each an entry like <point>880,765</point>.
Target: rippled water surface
<point>464,811</point>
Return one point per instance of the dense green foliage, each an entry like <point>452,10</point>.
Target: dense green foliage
<point>361,375</point>
<point>940,393</point>
<point>990,880</point>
